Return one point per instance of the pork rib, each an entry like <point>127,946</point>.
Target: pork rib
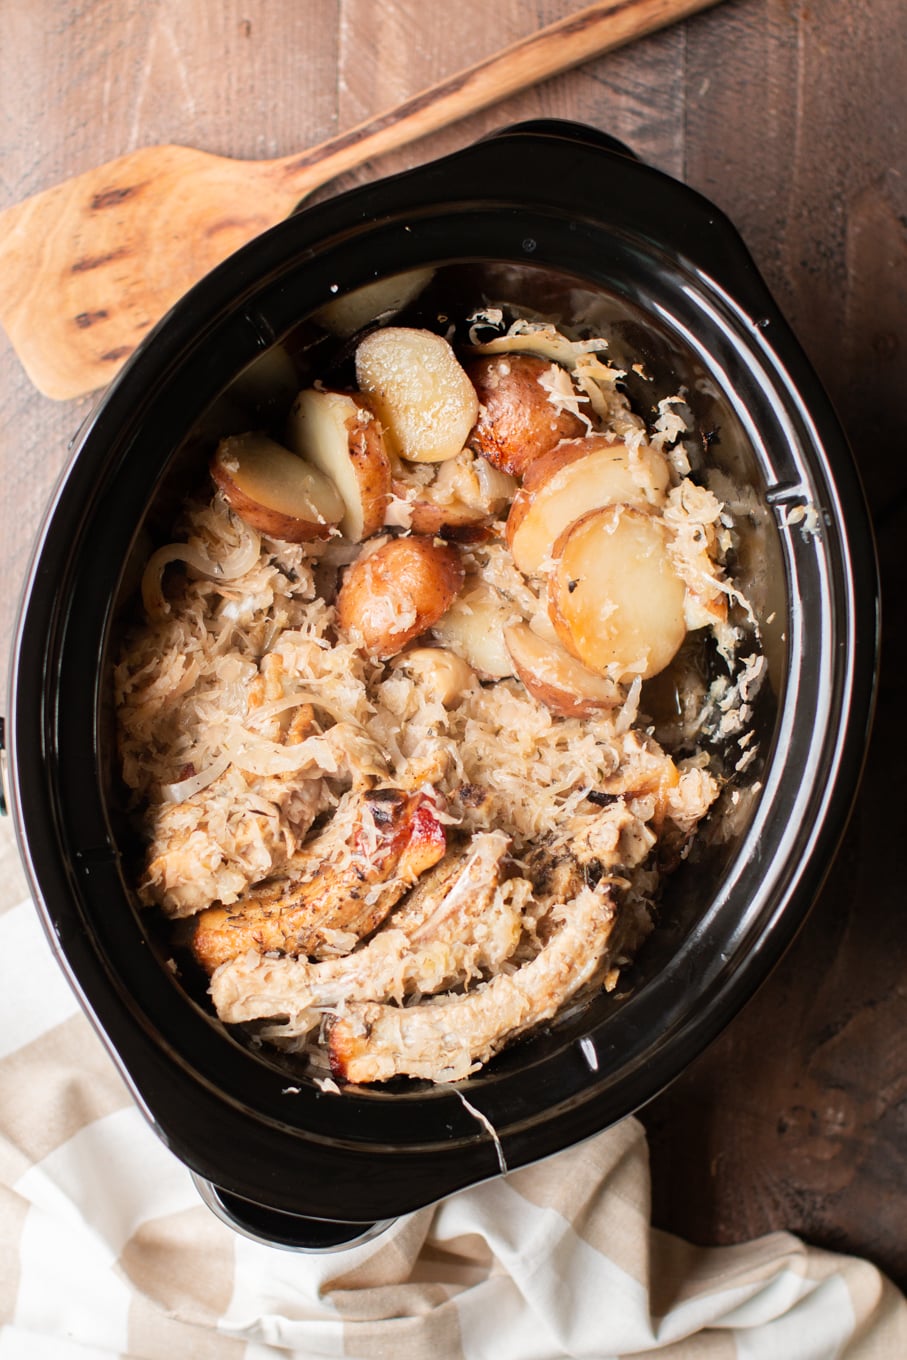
<point>338,888</point>
<point>458,921</point>
<point>448,1039</point>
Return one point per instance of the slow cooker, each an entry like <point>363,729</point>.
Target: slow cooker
<point>560,219</point>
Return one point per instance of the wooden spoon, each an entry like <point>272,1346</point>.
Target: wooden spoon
<point>87,267</point>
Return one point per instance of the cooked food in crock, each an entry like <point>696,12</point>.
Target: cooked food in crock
<point>383,713</point>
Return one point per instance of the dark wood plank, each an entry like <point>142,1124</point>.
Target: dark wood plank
<point>797,1117</point>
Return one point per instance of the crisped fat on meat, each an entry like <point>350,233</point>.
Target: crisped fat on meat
<point>345,883</point>
<point>448,1039</point>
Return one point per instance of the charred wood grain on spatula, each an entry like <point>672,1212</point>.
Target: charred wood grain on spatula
<point>111,198</point>
<point>86,319</point>
<point>90,262</point>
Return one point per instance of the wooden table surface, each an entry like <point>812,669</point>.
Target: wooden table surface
<point>792,116</point>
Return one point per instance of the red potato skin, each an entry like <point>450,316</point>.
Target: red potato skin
<point>517,423</point>
<point>265,518</point>
<point>566,452</point>
<point>542,469</point>
<point>368,454</point>
<point>559,681</point>
<point>414,571</point>
<point>559,701</point>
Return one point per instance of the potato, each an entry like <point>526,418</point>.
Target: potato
<point>419,391</point>
<point>456,521</point>
<point>339,434</point>
<point>274,490</point>
<point>348,313</point>
<point>391,595</point>
<point>577,476</point>
<point>466,491</point>
<point>440,673</point>
<point>555,678</point>
<point>614,598</point>
<point>473,628</point>
<point>517,420</point>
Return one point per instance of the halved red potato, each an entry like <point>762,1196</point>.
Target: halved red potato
<point>473,628</point>
<point>614,598</point>
<point>518,418</point>
<point>419,390</point>
<point>392,595</point>
<point>555,678</point>
<point>274,490</point>
<point>577,476</point>
<point>339,433</point>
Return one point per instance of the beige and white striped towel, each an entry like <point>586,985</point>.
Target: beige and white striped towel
<point>106,1250</point>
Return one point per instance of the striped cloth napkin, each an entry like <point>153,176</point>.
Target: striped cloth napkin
<point>107,1251</point>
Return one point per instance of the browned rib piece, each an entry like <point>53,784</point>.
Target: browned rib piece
<point>448,1039</point>
<point>451,926</point>
<point>344,881</point>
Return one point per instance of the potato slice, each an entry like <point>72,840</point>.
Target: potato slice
<point>338,433</point>
<point>555,678</point>
<point>520,417</point>
<point>274,490</point>
<point>348,313</point>
<point>473,628</point>
<point>392,595</point>
<point>420,391</point>
<point>577,476</point>
<point>614,598</point>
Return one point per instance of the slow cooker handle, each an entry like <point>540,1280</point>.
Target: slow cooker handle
<point>275,1228</point>
<point>692,227</point>
<point>563,127</point>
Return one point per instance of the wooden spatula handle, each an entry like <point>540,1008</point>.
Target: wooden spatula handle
<point>589,32</point>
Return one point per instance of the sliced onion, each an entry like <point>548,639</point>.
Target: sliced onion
<point>538,337</point>
<point>257,756</point>
<point>260,715</point>
<point>495,487</point>
<point>241,560</point>
<point>186,788</point>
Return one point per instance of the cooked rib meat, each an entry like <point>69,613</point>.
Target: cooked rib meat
<point>459,920</point>
<point>339,887</point>
<point>448,1039</point>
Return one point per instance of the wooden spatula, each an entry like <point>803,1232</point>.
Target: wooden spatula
<point>87,267</point>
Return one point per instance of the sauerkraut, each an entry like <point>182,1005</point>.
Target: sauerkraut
<point>251,728</point>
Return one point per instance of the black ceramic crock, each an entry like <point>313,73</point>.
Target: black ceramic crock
<point>560,218</point>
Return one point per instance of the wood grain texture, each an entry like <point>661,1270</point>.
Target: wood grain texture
<point>88,266</point>
<point>797,1116</point>
<point>791,115</point>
